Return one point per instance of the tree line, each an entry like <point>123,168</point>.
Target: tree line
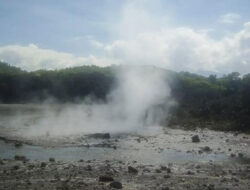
<point>208,98</point>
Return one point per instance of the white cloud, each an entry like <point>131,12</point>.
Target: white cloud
<point>31,57</point>
<point>247,25</point>
<point>177,48</point>
<point>185,49</point>
<point>96,43</point>
<point>229,18</point>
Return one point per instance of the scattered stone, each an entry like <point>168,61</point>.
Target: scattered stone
<point>100,135</point>
<point>146,170</point>
<point>232,155</point>
<point>18,144</point>
<point>105,178</point>
<point>198,167</point>
<point>20,158</point>
<point>190,172</point>
<point>16,167</point>
<point>43,165</point>
<point>132,170</point>
<point>240,155</point>
<point>31,166</point>
<point>28,182</point>
<point>52,159</point>
<point>206,149</point>
<point>165,188</point>
<point>236,134</point>
<point>223,180</point>
<point>211,187</point>
<point>89,168</point>
<point>235,179</point>
<point>116,185</point>
<point>157,170</point>
<point>166,176</point>
<point>168,170</point>
<point>163,168</point>
<point>195,139</point>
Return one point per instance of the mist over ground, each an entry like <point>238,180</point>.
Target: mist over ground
<point>141,98</point>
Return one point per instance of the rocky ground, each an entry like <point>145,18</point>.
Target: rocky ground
<point>139,161</point>
<point>22,174</point>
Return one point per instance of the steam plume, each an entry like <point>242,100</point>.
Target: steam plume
<point>141,98</point>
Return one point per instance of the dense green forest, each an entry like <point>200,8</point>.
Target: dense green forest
<point>224,101</point>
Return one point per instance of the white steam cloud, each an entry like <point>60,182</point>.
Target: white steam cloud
<point>142,98</point>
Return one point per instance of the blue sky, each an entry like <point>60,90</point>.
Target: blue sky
<point>105,32</point>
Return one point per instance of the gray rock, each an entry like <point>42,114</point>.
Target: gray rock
<point>132,170</point>
<point>89,168</point>
<point>232,155</point>
<point>206,149</point>
<point>211,187</point>
<point>190,172</point>
<point>165,188</point>
<point>166,176</point>
<point>43,165</point>
<point>100,135</point>
<point>105,178</point>
<point>240,155</point>
<point>20,158</point>
<point>197,166</point>
<point>195,139</point>
<point>18,144</point>
<point>52,159</point>
<point>168,170</point>
<point>163,168</point>
<point>16,167</point>
<point>31,166</point>
<point>157,170</point>
<point>116,185</point>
